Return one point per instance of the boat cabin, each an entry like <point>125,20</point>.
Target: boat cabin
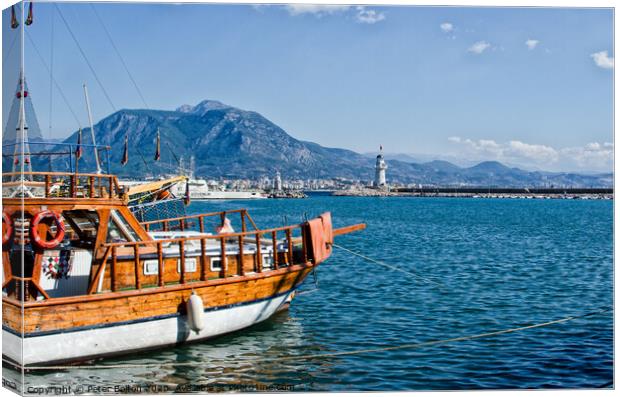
<point>79,237</point>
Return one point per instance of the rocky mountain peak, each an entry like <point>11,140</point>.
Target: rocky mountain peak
<point>203,107</point>
<point>234,143</point>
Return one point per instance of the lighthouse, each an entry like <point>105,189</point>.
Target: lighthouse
<point>277,182</point>
<point>380,168</point>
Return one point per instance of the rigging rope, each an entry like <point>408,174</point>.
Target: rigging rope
<point>107,32</point>
<point>120,57</point>
<point>390,266</point>
<point>62,94</point>
<point>334,354</point>
<point>10,48</point>
<point>174,155</point>
<point>105,93</point>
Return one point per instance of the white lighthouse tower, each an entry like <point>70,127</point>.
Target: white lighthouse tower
<point>380,168</point>
<point>277,182</point>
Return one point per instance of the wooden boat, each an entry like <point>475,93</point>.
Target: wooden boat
<point>96,282</point>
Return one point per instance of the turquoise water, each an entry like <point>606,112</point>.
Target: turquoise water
<point>501,263</point>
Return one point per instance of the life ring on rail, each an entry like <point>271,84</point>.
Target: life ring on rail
<point>7,226</point>
<point>34,229</point>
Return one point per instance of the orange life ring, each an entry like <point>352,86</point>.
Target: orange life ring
<point>8,232</point>
<point>34,230</point>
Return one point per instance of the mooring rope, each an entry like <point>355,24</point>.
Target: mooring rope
<point>389,266</point>
<point>334,354</point>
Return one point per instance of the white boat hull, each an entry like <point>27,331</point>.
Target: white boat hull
<point>215,195</point>
<point>142,335</point>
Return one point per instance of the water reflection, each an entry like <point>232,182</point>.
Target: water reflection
<point>238,360</point>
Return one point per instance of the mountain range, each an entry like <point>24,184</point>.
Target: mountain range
<point>229,142</point>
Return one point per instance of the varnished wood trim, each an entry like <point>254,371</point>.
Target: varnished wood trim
<point>223,258</point>
<point>182,261</point>
<point>160,265</point>
<point>6,267</point>
<point>62,202</point>
<point>274,252</point>
<point>95,281</point>
<point>259,255</point>
<point>349,229</point>
<point>156,290</point>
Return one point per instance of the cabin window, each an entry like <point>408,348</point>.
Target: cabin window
<point>151,267</point>
<point>267,261</point>
<point>82,227</point>
<point>216,264</point>
<point>134,236</point>
<point>115,235</point>
<point>190,265</point>
<point>119,230</point>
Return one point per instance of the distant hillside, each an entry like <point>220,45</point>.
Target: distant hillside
<point>234,143</point>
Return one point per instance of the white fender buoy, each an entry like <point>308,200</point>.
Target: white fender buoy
<point>195,313</point>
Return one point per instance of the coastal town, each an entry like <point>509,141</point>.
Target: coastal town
<point>377,185</point>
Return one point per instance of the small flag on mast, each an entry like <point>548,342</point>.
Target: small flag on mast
<point>157,149</point>
<point>78,149</point>
<point>125,158</point>
<point>29,18</point>
<point>14,23</point>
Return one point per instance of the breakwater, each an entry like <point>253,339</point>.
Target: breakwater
<point>483,192</point>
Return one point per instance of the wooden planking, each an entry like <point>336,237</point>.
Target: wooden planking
<point>125,271</point>
<point>12,316</point>
<point>127,308</point>
<point>157,290</point>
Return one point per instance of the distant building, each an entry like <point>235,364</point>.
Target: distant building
<point>277,182</point>
<point>380,168</point>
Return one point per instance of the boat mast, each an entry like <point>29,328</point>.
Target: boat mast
<point>21,127</point>
<point>92,129</point>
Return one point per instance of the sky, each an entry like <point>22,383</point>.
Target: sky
<point>530,87</point>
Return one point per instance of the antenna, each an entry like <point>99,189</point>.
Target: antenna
<point>92,129</point>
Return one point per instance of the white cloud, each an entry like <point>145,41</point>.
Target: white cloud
<point>365,15</point>
<point>602,60</point>
<point>531,44</point>
<point>483,148</point>
<point>361,14</point>
<point>317,9</point>
<point>446,27</point>
<point>592,157</point>
<point>538,153</point>
<point>479,47</point>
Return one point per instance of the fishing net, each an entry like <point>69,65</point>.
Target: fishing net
<point>164,209</point>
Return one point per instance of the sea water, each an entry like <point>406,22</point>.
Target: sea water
<point>494,264</point>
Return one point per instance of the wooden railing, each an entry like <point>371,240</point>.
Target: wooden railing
<point>24,288</point>
<point>296,251</point>
<point>66,185</point>
<point>185,222</point>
